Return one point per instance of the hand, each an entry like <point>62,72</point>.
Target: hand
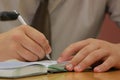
<point>85,53</point>
<point>23,43</point>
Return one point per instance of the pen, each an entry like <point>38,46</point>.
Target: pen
<point>20,18</point>
<point>48,56</point>
<point>13,15</point>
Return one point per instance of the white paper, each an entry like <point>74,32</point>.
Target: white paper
<point>18,64</point>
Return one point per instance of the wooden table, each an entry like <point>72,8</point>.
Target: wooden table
<point>112,75</point>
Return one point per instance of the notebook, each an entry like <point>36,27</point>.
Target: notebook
<point>17,69</point>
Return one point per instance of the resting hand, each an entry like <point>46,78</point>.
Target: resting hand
<point>23,43</point>
<point>85,53</point>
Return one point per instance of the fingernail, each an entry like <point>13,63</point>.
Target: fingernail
<point>69,67</point>
<point>59,59</point>
<point>78,69</point>
<point>97,69</point>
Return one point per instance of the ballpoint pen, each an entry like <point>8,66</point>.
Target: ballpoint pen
<point>13,15</point>
<point>20,18</point>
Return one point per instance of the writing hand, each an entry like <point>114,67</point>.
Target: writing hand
<point>23,43</point>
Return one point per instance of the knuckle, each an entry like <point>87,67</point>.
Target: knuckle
<point>72,46</point>
<point>17,36</point>
<point>87,49</point>
<point>90,39</point>
<point>22,27</point>
<point>42,36</point>
<point>94,41</point>
<point>95,56</point>
<point>43,39</point>
<point>100,42</point>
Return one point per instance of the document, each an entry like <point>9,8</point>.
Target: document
<point>16,69</point>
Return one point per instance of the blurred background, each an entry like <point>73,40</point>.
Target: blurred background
<point>110,31</point>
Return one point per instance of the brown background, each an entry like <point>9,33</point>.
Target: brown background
<point>110,31</point>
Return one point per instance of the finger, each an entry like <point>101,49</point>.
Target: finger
<point>81,55</point>
<point>90,59</point>
<point>38,37</point>
<point>67,59</point>
<point>72,50</point>
<point>26,54</point>
<point>29,44</point>
<point>105,66</point>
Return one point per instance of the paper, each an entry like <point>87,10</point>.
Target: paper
<point>18,64</point>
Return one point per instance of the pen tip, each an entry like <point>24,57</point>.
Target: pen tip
<point>48,56</point>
